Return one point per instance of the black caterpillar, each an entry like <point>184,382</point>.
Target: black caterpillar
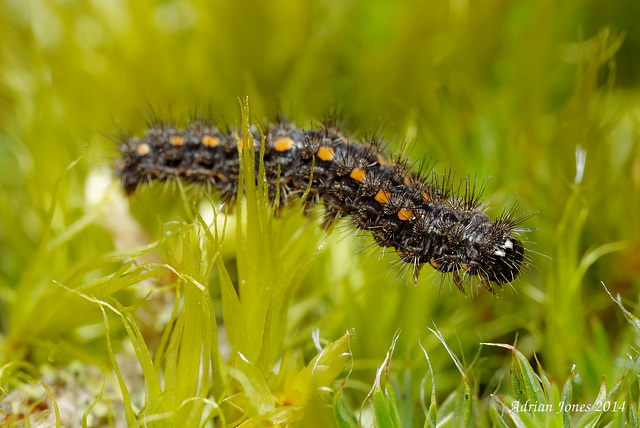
<point>417,213</point>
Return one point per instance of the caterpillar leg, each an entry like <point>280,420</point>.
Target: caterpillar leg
<point>416,273</point>
<point>458,282</point>
<point>487,284</point>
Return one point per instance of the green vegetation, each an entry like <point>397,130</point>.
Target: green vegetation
<point>164,310</point>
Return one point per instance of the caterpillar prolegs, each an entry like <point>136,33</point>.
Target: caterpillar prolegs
<point>422,215</point>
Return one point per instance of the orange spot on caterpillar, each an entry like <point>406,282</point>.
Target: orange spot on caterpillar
<point>425,196</point>
<point>143,149</point>
<point>326,153</point>
<point>464,266</point>
<point>210,141</point>
<point>176,140</point>
<point>283,144</point>
<point>405,214</point>
<point>434,263</point>
<point>381,160</point>
<point>382,196</point>
<point>358,174</point>
<point>406,181</point>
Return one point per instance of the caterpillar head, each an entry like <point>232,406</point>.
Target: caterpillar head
<point>489,250</point>
<point>505,262</point>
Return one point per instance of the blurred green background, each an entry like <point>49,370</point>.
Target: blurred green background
<point>510,89</point>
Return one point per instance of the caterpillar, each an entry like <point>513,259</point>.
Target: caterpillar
<point>418,213</point>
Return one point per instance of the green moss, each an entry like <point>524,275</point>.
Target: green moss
<point>209,318</point>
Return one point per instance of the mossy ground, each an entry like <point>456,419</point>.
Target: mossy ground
<point>193,317</point>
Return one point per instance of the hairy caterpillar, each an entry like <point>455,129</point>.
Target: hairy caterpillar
<point>417,213</point>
